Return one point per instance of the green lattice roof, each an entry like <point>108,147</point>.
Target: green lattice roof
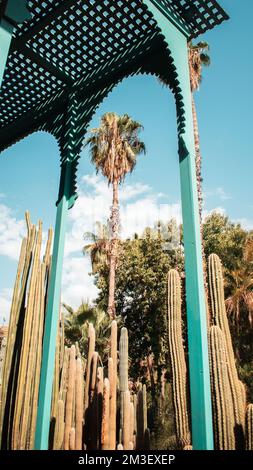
<point>83,48</point>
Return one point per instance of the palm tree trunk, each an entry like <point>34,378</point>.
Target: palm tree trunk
<point>197,157</point>
<point>198,163</point>
<point>113,250</point>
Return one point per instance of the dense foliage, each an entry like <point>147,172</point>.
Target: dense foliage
<point>141,287</point>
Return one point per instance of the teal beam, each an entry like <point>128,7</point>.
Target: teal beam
<point>52,316</point>
<point>200,389</point>
<point>6,30</point>
<point>15,12</point>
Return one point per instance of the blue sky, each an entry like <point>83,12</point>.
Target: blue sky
<point>29,171</point>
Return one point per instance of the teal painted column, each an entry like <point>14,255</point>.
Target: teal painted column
<point>15,12</point>
<point>67,194</point>
<point>52,316</point>
<point>6,30</point>
<point>200,389</point>
<point>51,327</point>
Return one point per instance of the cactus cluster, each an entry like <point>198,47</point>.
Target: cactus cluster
<point>92,406</point>
<point>111,409</point>
<point>21,367</point>
<point>233,396</point>
<point>86,412</point>
<point>232,423</point>
<point>177,359</point>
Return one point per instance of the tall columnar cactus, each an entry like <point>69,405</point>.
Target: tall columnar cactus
<point>59,426</point>
<point>70,397</point>
<point>79,404</point>
<point>2,356</point>
<point>123,360</point>
<point>106,415</point>
<point>18,298</point>
<point>249,427</point>
<point>91,349</point>
<point>224,420</point>
<point>27,358</point>
<point>123,370</point>
<point>132,425</point>
<point>92,414</point>
<point>112,366</point>
<point>177,358</point>
<point>219,318</point>
<point>126,419</point>
<point>72,439</point>
<point>19,395</point>
<point>99,391</point>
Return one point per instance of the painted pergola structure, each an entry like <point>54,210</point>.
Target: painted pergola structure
<point>58,60</point>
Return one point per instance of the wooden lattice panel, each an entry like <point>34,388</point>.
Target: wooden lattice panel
<point>77,45</point>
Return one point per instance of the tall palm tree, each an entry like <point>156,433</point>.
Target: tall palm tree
<point>198,57</point>
<point>99,246</point>
<point>114,147</point>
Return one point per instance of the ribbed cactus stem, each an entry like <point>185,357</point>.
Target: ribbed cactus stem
<point>147,439</point>
<point>219,317</point>
<point>224,420</point>
<point>113,384</point>
<point>145,411</point>
<point>18,294</point>
<point>177,358</point>
<point>72,439</point>
<point>113,404</point>
<point>123,370</point>
<point>106,415</point>
<point>132,423</point>
<point>35,392</point>
<point>92,413</point>
<point>25,373</point>
<point>79,404</point>
<point>2,356</point>
<point>100,388</point>
<point>249,427</point>
<point>91,349</point>
<point>70,396</point>
<point>139,419</point>
<point>126,419</point>
<point>123,360</point>
<point>59,426</point>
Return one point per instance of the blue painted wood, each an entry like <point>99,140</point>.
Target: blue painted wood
<point>51,324</point>
<point>69,154</point>
<point>6,30</point>
<point>200,390</point>
<point>15,12</point>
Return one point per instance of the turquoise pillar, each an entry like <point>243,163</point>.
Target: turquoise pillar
<point>200,389</point>
<point>15,12</point>
<point>6,30</point>
<point>52,316</point>
<point>67,195</point>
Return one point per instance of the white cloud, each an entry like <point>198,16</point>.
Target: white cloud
<point>217,210</point>
<point>77,284</point>
<point>93,204</point>
<point>247,224</point>
<point>5,304</point>
<point>11,233</point>
<point>219,192</point>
